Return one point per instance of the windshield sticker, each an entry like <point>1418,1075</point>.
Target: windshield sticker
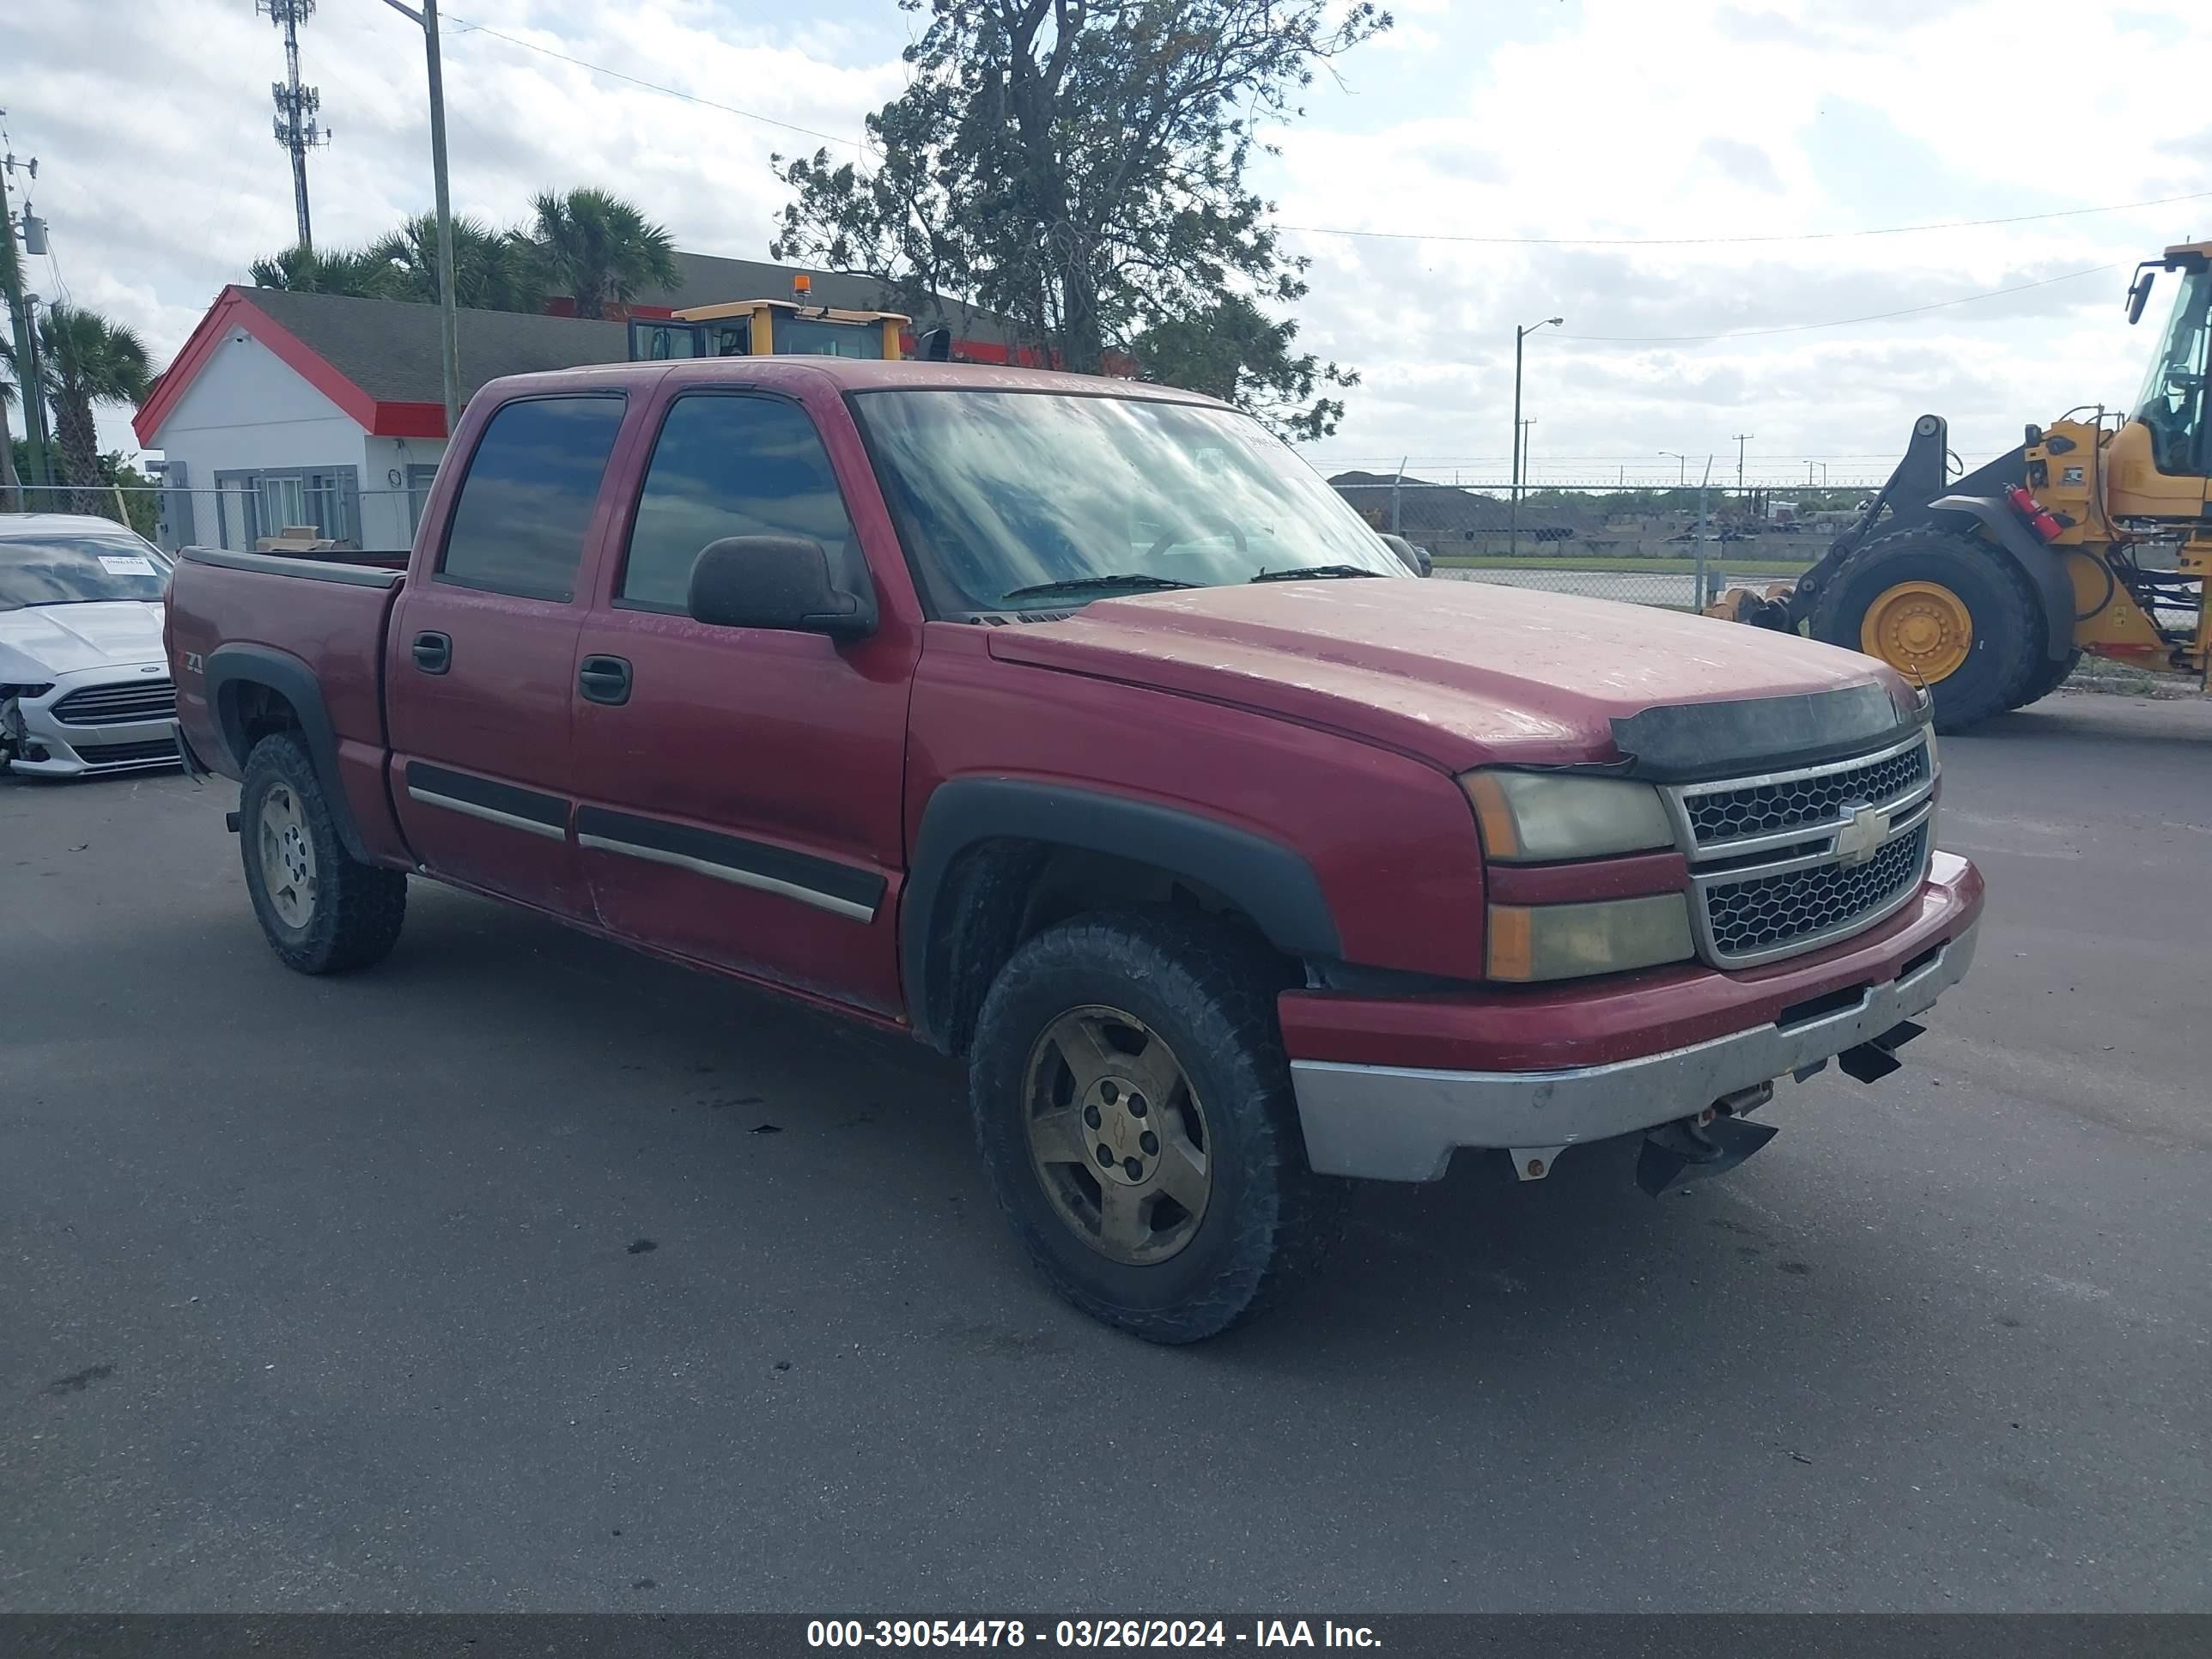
<point>126,564</point>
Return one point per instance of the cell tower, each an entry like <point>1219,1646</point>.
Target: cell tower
<point>297,107</point>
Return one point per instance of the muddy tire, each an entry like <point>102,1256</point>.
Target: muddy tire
<point>1950,608</point>
<point>322,910</point>
<point>1132,1105</point>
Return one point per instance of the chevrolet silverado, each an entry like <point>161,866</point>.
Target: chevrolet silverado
<point>1077,728</point>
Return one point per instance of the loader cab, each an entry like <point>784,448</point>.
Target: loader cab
<point>2172,406</point>
<point>765,328</point>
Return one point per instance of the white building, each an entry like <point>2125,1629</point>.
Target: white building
<point>293,408</point>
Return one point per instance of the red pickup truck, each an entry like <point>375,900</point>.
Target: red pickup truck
<point>1077,728</point>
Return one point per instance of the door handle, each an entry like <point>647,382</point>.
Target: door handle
<point>434,652</point>
<point>604,679</point>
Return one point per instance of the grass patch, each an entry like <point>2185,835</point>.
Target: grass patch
<point>1668,567</point>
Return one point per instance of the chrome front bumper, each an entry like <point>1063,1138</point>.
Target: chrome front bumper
<point>1394,1123</point>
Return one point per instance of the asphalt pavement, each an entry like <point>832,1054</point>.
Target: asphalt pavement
<point>523,1272</point>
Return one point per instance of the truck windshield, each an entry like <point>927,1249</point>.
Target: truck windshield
<point>1016,500</point>
<point>77,569</point>
<point>2173,401</point>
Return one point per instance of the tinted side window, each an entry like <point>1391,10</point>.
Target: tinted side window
<point>729,466</point>
<point>518,525</point>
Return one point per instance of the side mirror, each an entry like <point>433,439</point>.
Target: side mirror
<point>776,581</point>
<point>2138,294</point>
<point>936,345</point>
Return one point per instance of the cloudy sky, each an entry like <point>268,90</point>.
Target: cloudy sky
<point>1597,124</point>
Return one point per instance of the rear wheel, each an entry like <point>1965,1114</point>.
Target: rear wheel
<point>1132,1105</point>
<point>1945,611</point>
<point>322,910</point>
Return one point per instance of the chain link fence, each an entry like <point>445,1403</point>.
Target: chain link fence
<point>329,507</point>
<point>1675,546</point>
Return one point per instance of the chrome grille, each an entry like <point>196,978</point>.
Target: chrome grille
<point>118,705</point>
<point>1730,812</point>
<point>1754,918</point>
<point>1787,861</point>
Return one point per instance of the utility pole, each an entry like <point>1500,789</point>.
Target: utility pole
<point>1682,479</point>
<point>1520,333</point>
<point>1397,484</point>
<point>1741,439</point>
<point>32,403</point>
<point>448,312</point>
<point>297,107</point>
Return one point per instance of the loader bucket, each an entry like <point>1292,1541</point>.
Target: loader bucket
<point>1769,610</point>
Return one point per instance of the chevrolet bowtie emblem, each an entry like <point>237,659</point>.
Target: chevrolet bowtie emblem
<point>1863,835</point>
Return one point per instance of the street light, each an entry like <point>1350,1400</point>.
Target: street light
<point>1520,333</point>
<point>448,306</point>
<point>1684,481</point>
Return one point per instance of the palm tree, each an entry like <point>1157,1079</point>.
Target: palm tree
<point>493,270</point>
<point>304,271</point>
<point>10,499</point>
<point>87,359</point>
<point>597,248</point>
<point>10,269</point>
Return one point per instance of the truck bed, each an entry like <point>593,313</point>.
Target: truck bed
<point>314,625</point>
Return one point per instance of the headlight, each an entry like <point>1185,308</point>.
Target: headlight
<point>1567,941</point>
<point>1530,817</point>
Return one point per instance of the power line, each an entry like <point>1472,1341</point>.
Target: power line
<point>1710,241</point>
<point>1838,322</point>
<point>652,86</point>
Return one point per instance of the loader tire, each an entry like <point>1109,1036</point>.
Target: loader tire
<point>1947,609</point>
<point>2054,675</point>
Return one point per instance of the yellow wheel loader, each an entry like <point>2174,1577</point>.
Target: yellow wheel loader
<point>2095,535</point>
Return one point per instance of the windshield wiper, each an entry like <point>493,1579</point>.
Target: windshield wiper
<point>1141,580</point>
<point>1318,572</point>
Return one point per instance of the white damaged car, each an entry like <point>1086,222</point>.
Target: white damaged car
<point>84,684</point>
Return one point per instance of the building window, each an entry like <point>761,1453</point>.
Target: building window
<point>419,476</point>
<point>267,501</point>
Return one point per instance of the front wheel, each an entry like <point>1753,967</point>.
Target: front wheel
<point>322,910</point>
<point>2050,677</point>
<point>1949,611</point>
<point>1133,1106</point>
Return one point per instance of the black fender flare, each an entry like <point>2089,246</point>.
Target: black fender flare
<point>1271,882</point>
<point>2045,568</point>
<point>231,667</point>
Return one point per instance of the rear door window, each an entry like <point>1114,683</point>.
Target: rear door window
<point>519,523</point>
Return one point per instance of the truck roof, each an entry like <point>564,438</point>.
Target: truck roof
<point>850,374</point>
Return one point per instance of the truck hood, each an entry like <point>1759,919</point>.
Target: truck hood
<point>42,641</point>
<point>1457,673</point>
